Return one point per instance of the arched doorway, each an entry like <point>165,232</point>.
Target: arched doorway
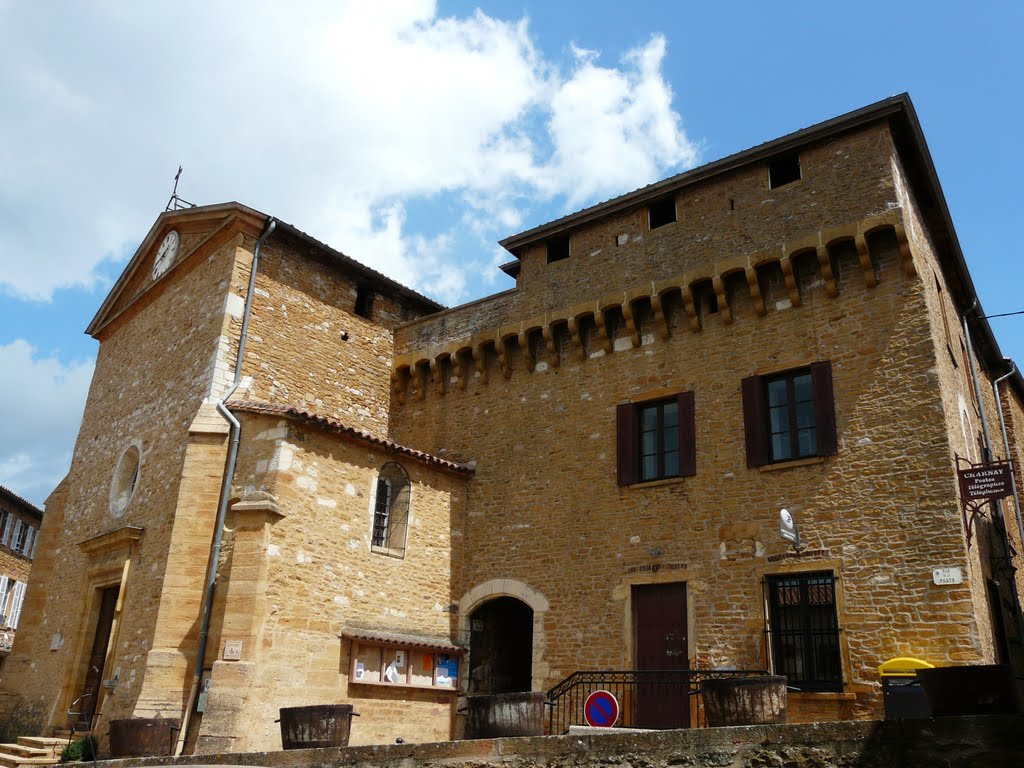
<point>501,647</point>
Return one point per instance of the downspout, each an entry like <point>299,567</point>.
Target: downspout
<point>1016,503</point>
<point>225,491</point>
<point>1006,445</point>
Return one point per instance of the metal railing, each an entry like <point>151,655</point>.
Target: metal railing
<point>647,698</point>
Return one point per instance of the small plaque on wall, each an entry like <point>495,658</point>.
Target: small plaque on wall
<point>944,576</point>
<point>233,650</point>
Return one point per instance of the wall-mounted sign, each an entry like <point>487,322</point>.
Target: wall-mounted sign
<point>788,529</point>
<point>990,481</point>
<point>944,576</point>
<point>233,650</point>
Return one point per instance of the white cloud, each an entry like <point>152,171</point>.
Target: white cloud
<point>40,398</point>
<point>331,115</point>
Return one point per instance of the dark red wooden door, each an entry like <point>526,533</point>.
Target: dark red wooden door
<point>659,615</point>
<point>98,655</point>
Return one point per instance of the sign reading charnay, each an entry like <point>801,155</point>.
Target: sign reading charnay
<point>990,481</point>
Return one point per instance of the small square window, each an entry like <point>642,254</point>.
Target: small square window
<point>661,212</point>
<point>784,169</point>
<point>558,249</point>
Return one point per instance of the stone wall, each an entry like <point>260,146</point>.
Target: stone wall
<point>152,375</point>
<point>292,578</point>
<point>967,410</point>
<point>967,742</point>
<point>539,421</point>
<point>308,348</point>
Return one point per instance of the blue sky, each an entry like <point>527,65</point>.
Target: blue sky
<point>413,136</point>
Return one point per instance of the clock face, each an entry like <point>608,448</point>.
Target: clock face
<point>166,253</point>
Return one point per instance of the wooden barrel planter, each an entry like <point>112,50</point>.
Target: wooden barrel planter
<point>981,689</point>
<point>142,736</point>
<point>744,700</point>
<point>323,725</point>
<point>492,716</point>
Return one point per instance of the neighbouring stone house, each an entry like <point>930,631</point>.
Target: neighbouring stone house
<point>588,471</point>
<point>20,521</point>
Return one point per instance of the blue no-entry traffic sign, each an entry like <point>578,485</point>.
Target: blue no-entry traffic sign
<point>601,709</point>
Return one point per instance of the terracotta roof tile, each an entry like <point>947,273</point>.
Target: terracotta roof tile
<point>401,638</point>
<point>335,426</point>
<point>12,496</point>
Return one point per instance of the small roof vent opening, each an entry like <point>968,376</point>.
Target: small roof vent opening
<point>558,248</point>
<point>661,212</point>
<point>364,301</point>
<point>784,169</point>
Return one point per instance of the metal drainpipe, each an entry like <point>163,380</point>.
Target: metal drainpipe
<point>225,491</point>
<point>1016,502</point>
<point>1006,444</point>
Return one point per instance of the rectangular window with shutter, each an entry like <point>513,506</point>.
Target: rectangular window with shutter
<point>789,415</point>
<point>4,581</point>
<point>5,536</point>
<point>17,540</point>
<point>16,603</point>
<point>30,541</point>
<point>656,440</point>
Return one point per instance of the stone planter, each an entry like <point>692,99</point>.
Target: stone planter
<point>744,700</point>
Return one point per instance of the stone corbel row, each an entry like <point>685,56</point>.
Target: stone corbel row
<point>536,341</point>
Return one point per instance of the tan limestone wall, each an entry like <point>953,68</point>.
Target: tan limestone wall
<point>308,348</point>
<point>151,376</point>
<point>319,575</point>
<point>727,217</point>
<point>545,508</point>
<point>962,411</point>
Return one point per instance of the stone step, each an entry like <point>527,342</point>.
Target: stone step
<point>51,743</point>
<point>17,761</point>
<point>25,751</point>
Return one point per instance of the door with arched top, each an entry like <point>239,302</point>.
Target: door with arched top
<point>501,647</point>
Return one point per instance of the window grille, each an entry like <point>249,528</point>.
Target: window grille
<point>391,508</point>
<point>803,630</point>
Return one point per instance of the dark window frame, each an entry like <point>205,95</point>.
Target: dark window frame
<point>661,213</point>
<point>784,169</point>
<point>559,248</point>
<point>757,415</point>
<point>629,438</point>
<point>802,629</point>
<point>364,301</point>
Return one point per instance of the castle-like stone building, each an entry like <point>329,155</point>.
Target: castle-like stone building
<point>299,482</point>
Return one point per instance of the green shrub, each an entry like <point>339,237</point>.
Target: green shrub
<point>79,749</point>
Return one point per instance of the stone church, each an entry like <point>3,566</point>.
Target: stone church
<point>299,482</point>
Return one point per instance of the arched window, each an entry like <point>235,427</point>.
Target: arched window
<point>389,506</point>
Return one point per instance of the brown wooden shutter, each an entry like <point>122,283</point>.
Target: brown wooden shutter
<point>755,422</point>
<point>824,407</point>
<point>627,443</point>
<point>687,435</point>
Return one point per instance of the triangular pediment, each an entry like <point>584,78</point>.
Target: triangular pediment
<point>200,230</point>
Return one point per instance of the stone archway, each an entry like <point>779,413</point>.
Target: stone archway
<point>528,605</point>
